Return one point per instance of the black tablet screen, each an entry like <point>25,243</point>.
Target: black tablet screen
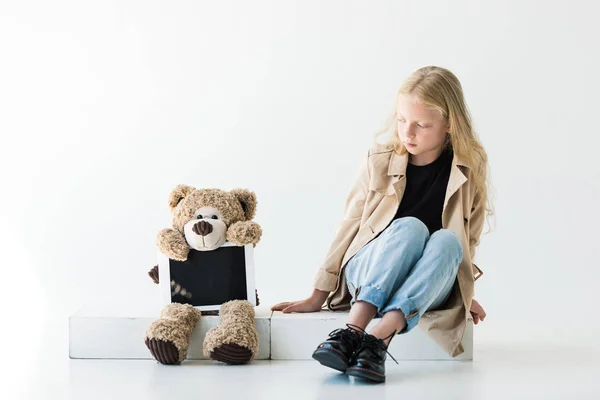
<point>209,277</point>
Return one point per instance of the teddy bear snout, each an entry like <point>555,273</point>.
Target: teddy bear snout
<point>202,228</point>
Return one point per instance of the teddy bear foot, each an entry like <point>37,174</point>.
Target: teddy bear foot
<point>232,354</point>
<point>235,339</point>
<point>168,337</point>
<point>165,352</point>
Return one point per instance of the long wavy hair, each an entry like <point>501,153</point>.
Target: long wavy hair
<point>440,89</point>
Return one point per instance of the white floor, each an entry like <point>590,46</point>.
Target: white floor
<point>42,370</point>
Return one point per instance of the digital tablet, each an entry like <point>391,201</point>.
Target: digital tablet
<point>207,279</point>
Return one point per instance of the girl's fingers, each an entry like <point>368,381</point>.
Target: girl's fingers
<point>280,306</point>
<point>291,308</point>
<point>481,314</point>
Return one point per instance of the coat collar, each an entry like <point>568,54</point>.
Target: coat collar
<point>398,163</point>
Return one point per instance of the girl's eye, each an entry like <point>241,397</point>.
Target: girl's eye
<point>215,217</point>
<point>199,217</point>
<point>419,125</point>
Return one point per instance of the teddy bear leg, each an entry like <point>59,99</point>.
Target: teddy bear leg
<point>235,339</point>
<point>168,337</point>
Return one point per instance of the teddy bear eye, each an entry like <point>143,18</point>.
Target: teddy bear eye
<point>199,216</point>
<point>215,217</point>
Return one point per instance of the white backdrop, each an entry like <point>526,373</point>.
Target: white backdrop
<point>106,106</point>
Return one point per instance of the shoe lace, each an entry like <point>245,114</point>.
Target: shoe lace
<point>371,342</point>
<point>352,334</point>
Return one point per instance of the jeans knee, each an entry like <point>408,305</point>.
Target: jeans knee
<point>449,243</point>
<point>414,225</point>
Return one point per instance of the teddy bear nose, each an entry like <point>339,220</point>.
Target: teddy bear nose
<point>202,228</point>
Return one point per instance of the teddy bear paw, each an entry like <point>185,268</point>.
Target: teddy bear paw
<point>244,232</point>
<point>235,339</point>
<point>232,354</point>
<point>168,337</point>
<point>172,244</point>
<point>163,351</point>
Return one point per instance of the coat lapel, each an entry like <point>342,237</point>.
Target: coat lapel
<point>456,180</point>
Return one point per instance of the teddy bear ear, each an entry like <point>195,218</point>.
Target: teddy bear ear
<point>247,199</point>
<point>178,194</point>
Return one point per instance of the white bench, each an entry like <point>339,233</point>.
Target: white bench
<point>117,333</point>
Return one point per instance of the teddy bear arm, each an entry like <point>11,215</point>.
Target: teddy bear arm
<point>244,232</point>
<point>172,243</point>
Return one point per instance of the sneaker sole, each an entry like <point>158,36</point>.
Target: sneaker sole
<point>331,359</point>
<point>365,374</point>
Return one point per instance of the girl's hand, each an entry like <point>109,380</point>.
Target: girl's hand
<point>477,312</point>
<point>311,304</point>
<point>297,306</point>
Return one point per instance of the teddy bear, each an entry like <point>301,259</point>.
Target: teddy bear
<point>204,220</point>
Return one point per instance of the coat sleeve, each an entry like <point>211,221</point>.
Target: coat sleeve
<point>347,229</point>
<point>475,228</point>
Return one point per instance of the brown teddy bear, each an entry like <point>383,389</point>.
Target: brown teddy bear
<point>203,220</point>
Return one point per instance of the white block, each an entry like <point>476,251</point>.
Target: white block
<point>118,333</point>
<point>296,336</point>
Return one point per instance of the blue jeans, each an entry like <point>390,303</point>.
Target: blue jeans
<point>405,269</point>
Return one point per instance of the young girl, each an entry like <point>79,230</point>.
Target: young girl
<point>404,250</point>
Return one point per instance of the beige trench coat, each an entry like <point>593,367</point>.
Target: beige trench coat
<point>371,206</point>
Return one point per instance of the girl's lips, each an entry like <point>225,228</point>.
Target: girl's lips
<point>410,144</point>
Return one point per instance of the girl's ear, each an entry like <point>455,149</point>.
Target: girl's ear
<point>247,199</point>
<point>178,194</point>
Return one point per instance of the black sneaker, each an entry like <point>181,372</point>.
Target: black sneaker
<point>336,352</point>
<point>368,361</point>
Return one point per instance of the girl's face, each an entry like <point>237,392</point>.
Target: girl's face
<point>421,129</point>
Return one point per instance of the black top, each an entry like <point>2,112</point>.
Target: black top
<point>426,190</point>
